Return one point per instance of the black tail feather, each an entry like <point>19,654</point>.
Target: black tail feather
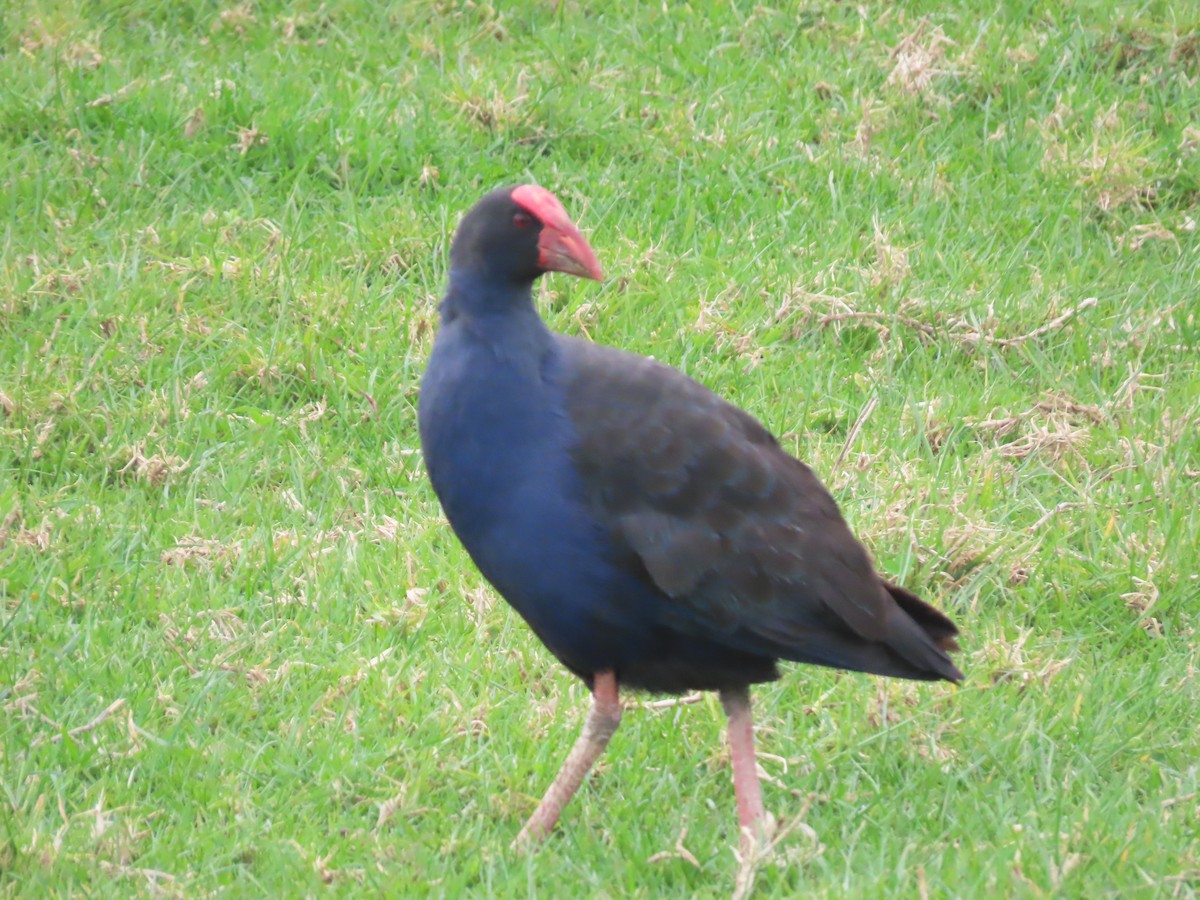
<point>933,620</point>
<point>936,627</point>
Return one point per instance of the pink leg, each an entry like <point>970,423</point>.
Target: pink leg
<point>602,720</point>
<point>745,774</point>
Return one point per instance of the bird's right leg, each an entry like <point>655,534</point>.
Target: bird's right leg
<point>751,818</point>
<point>602,721</point>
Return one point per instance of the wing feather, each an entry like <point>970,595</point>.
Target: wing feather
<point>742,537</point>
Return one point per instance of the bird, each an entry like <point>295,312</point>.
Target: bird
<point>653,536</point>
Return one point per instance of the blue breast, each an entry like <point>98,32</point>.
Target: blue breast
<point>497,442</point>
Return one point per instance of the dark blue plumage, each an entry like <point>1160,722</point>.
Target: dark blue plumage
<point>497,445</point>
<point>651,534</point>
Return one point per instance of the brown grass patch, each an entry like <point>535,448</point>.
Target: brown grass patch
<point>495,110</point>
<point>197,550</point>
<point>891,265</point>
<point>1013,662</point>
<point>154,469</point>
<point>1139,235</point>
<point>13,530</point>
<point>1054,426</point>
<point>245,139</point>
<point>918,59</point>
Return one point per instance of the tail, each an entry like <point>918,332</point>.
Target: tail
<point>923,636</point>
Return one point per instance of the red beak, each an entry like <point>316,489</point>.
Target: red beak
<point>567,251</point>
<point>561,246</point>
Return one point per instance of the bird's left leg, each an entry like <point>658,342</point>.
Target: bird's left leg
<point>602,721</point>
<point>751,818</point>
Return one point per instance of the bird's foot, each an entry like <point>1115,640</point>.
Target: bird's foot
<point>527,840</point>
<point>758,843</point>
<point>757,838</point>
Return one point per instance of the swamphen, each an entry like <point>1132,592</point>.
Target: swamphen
<point>651,534</point>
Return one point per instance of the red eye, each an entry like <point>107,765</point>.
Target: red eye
<point>522,220</point>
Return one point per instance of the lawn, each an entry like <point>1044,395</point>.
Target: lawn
<point>947,251</point>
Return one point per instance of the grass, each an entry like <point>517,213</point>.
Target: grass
<point>240,650</point>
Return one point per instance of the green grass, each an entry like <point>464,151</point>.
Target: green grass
<point>223,234</point>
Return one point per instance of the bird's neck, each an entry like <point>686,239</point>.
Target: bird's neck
<point>500,316</point>
<point>476,295</point>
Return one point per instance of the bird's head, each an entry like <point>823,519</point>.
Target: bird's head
<point>516,234</point>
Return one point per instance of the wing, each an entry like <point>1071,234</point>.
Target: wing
<point>743,537</point>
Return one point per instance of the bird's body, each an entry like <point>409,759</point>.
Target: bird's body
<point>650,533</point>
<point>638,522</point>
